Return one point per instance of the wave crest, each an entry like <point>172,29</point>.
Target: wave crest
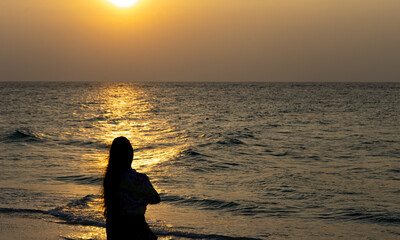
<point>22,135</point>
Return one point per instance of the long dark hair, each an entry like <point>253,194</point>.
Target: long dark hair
<point>120,159</point>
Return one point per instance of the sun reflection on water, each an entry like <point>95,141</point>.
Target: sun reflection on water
<point>125,110</point>
<point>87,232</point>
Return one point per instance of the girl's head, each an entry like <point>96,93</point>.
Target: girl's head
<point>121,154</point>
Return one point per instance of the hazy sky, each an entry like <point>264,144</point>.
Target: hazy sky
<point>200,40</point>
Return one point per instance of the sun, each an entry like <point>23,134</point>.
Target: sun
<point>123,3</point>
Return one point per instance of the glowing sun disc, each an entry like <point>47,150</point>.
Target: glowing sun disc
<point>123,3</point>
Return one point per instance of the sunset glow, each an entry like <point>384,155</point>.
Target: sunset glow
<point>123,3</point>
<point>194,41</point>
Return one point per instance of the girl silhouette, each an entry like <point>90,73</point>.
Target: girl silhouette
<point>126,194</point>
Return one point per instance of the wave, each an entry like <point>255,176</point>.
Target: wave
<point>230,141</point>
<point>281,154</point>
<point>22,135</point>
<point>206,204</point>
<point>197,161</point>
<point>365,216</point>
<point>190,152</point>
<point>389,218</point>
<point>80,212</point>
<point>82,143</point>
<point>27,135</point>
<point>80,179</point>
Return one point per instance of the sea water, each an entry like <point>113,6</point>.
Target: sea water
<point>230,160</point>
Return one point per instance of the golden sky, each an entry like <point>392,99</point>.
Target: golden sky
<point>200,40</point>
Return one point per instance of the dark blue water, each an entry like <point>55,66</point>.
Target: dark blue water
<point>243,160</point>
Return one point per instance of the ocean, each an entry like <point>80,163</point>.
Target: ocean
<point>230,160</point>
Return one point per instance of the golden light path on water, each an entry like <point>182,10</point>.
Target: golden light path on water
<point>126,111</point>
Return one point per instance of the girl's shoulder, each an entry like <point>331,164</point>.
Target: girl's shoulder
<point>134,176</point>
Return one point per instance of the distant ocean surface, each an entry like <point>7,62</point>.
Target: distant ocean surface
<point>230,160</point>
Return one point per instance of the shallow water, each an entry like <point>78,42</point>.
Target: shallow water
<point>253,161</point>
